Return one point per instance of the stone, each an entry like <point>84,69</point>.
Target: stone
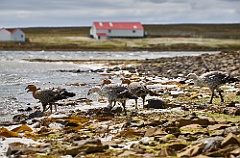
<point>32,150</point>
<point>86,146</point>
<point>191,150</point>
<point>165,139</point>
<point>155,104</point>
<point>166,152</point>
<point>230,139</point>
<point>223,152</point>
<point>235,130</point>
<point>231,111</point>
<point>14,148</point>
<point>211,143</point>
<point>235,152</point>
<point>127,153</point>
<point>19,118</point>
<point>218,126</point>
<point>35,114</point>
<point>154,131</point>
<point>177,146</point>
<point>200,121</point>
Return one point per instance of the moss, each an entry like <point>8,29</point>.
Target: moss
<point>225,117</point>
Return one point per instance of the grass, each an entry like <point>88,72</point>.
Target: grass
<point>159,37</point>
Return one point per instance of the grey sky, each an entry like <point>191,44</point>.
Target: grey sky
<point>34,13</point>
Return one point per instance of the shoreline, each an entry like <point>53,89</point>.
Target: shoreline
<point>85,128</point>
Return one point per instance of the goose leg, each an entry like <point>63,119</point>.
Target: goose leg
<point>124,107</point>
<point>50,105</point>
<point>44,107</point>
<point>109,106</point>
<point>136,107</point>
<point>143,98</point>
<point>210,102</point>
<point>222,100</point>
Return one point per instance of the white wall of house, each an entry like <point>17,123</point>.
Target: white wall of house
<point>125,33</point>
<point>5,35</point>
<point>93,32</point>
<point>18,35</point>
<point>118,33</point>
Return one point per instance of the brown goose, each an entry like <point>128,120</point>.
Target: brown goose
<point>49,96</point>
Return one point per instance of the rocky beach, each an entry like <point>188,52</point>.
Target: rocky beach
<point>177,123</point>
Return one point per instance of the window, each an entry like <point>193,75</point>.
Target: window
<point>133,31</point>
<point>21,36</point>
<point>109,31</point>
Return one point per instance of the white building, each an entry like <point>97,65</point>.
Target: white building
<point>103,30</point>
<point>5,35</point>
<point>16,35</point>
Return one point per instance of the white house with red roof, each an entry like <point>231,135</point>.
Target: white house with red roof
<point>16,35</point>
<point>5,35</point>
<point>104,30</point>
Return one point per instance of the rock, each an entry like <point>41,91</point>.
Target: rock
<point>113,144</point>
<point>173,130</point>
<point>193,129</point>
<point>165,139</point>
<point>14,148</point>
<point>191,150</point>
<point>237,112</point>
<point>235,130</point>
<point>235,152</point>
<point>177,146</point>
<point>200,121</point>
<point>211,143</point>
<point>154,131</point>
<point>19,118</point>
<point>218,126</point>
<point>223,152</point>
<point>155,104</point>
<point>217,133</point>
<point>127,153</point>
<point>137,122</point>
<point>232,104</point>
<point>167,152</point>
<point>145,141</point>
<point>31,150</point>
<point>86,146</point>
<point>35,114</point>
<point>231,111</point>
<point>191,116</point>
<point>230,139</point>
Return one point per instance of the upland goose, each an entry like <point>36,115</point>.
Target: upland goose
<point>213,80</point>
<point>49,96</point>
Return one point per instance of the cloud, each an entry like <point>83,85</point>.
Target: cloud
<point>84,12</point>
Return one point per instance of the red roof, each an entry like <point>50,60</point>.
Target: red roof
<point>11,30</point>
<point>118,25</point>
<point>16,30</point>
<point>5,29</point>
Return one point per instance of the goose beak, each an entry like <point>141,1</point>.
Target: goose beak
<point>27,89</point>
